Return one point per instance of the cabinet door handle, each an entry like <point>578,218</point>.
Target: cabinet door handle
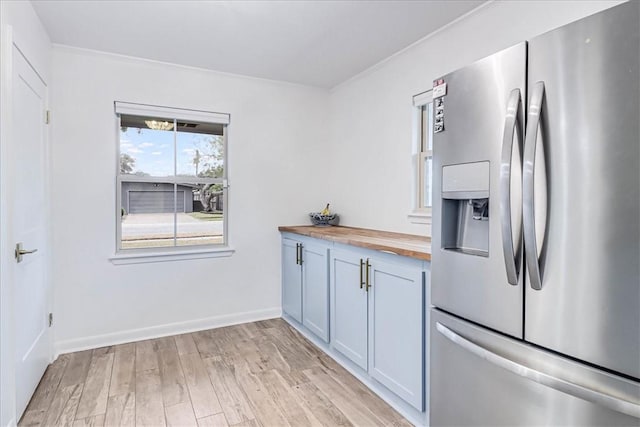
<point>367,266</point>
<point>298,253</point>
<point>361,278</point>
<point>301,261</point>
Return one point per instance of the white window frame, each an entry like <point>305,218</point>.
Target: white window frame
<point>419,213</point>
<point>171,253</point>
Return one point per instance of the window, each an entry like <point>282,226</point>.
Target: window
<point>172,179</point>
<point>423,157</point>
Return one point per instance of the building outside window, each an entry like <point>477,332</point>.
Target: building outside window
<point>172,178</point>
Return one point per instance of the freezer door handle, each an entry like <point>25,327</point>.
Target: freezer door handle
<point>511,125</point>
<point>528,184</point>
<point>590,395</point>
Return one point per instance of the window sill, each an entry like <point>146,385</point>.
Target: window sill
<point>145,257</point>
<point>417,217</point>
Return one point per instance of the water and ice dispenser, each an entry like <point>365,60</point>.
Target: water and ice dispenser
<point>465,208</point>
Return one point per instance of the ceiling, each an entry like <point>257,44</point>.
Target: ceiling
<point>318,43</point>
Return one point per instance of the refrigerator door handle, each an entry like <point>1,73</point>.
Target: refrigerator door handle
<point>594,396</point>
<point>528,184</point>
<point>511,125</point>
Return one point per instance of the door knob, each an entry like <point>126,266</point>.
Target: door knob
<point>20,252</point>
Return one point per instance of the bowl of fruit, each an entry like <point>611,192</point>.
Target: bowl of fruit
<point>324,218</point>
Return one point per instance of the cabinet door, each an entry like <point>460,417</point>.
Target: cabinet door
<point>396,328</point>
<point>348,307</point>
<point>291,280</point>
<point>315,289</point>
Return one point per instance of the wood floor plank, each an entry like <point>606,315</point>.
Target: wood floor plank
<point>146,356</point>
<point>100,351</point>
<point>64,406</point>
<point>33,418</point>
<point>217,420</point>
<point>77,368</point>
<point>164,342</point>
<point>174,386</point>
<point>123,379</point>
<point>262,404</point>
<point>374,403</point>
<point>150,409</point>
<point>186,344</point>
<point>203,397</point>
<point>49,384</point>
<point>180,415</point>
<point>206,344</point>
<point>320,405</point>
<point>269,323</point>
<point>343,399</point>
<point>148,381</point>
<point>401,423</point>
<point>295,377</point>
<point>267,348</point>
<point>95,421</point>
<point>234,403</point>
<point>226,340</point>
<point>261,356</point>
<point>235,333</point>
<point>251,330</point>
<point>305,345</point>
<point>296,356</point>
<point>287,401</point>
<point>121,410</point>
<point>96,387</point>
<point>249,423</point>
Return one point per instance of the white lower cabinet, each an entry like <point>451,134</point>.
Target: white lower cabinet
<point>396,329</point>
<point>368,305</point>
<point>315,289</point>
<point>349,307</point>
<point>305,284</point>
<point>291,279</point>
<point>378,322</point>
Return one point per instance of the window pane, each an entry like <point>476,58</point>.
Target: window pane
<point>147,214</point>
<point>427,127</point>
<point>200,150</point>
<point>171,211</point>
<point>201,220</point>
<point>145,151</point>
<point>430,128</point>
<point>428,162</point>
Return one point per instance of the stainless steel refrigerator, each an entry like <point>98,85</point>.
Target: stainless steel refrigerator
<point>536,231</point>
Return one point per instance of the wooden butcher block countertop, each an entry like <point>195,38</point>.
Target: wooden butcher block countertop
<point>408,245</point>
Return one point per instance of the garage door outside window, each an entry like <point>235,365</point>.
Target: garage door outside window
<point>141,202</point>
<point>172,182</point>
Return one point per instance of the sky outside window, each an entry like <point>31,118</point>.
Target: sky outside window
<point>152,151</point>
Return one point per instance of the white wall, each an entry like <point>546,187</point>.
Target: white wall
<point>276,141</point>
<point>371,115</point>
<point>19,25</point>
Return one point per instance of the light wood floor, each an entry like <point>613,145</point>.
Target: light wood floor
<point>255,374</point>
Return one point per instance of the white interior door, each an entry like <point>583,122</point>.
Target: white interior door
<point>28,223</point>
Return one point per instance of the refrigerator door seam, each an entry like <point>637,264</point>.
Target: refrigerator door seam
<point>594,396</point>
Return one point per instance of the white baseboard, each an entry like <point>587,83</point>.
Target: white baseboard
<point>96,341</point>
